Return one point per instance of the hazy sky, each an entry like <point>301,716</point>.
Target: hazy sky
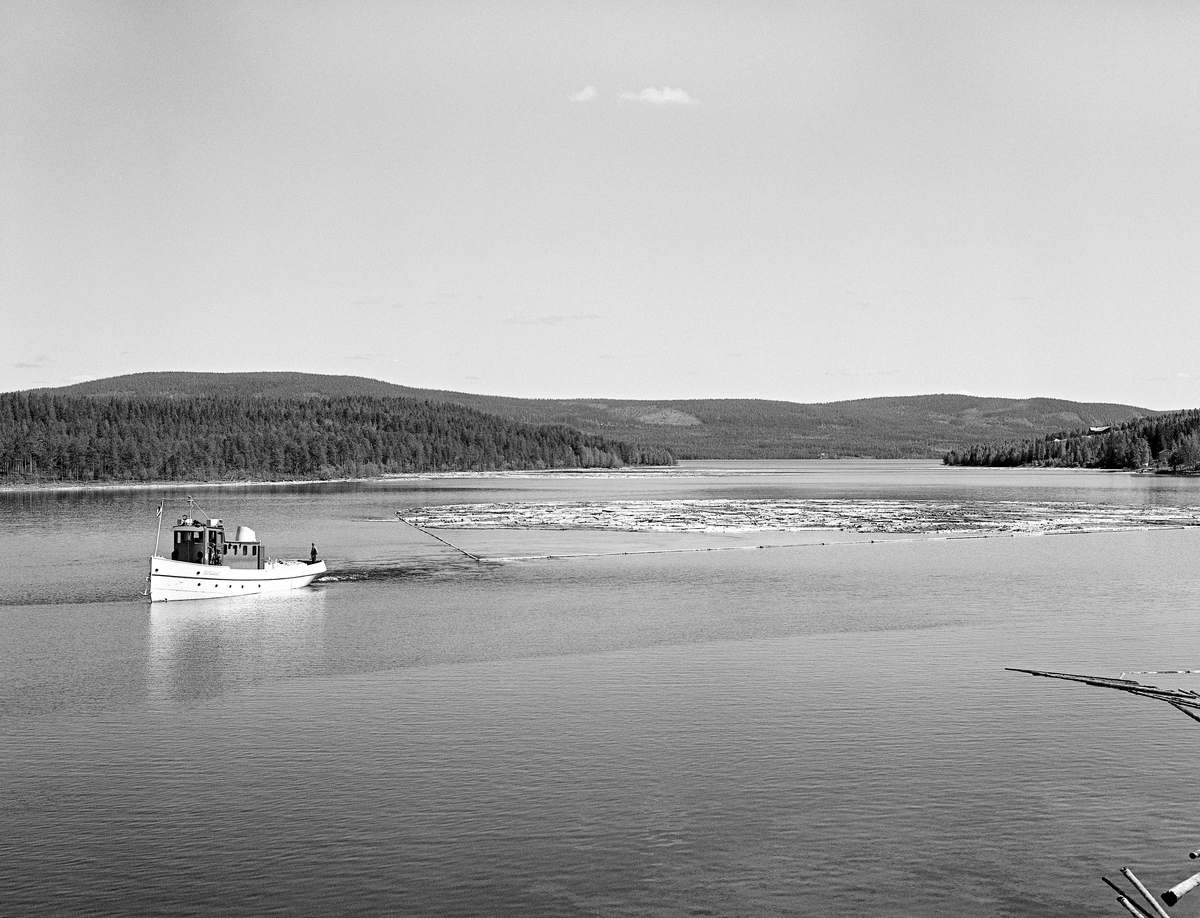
<point>799,201</point>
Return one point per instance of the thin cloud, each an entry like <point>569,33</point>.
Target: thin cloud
<point>548,320</point>
<point>664,96</point>
<point>862,373</point>
<point>587,94</point>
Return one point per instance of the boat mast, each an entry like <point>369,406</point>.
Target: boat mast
<point>157,537</point>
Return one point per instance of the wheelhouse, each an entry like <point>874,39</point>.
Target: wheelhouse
<point>198,541</point>
<point>201,541</point>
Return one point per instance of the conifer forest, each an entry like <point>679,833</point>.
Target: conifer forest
<point>47,437</point>
<point>1169,441</point>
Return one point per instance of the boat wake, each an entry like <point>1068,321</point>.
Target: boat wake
<point>379,571</point>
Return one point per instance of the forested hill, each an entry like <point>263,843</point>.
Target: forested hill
<point>923,426</point>
<point>50,436</point>
<point>1167,441</point>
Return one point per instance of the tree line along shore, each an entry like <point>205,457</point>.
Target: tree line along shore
<point>1169,442</point>
<point>69,438</point>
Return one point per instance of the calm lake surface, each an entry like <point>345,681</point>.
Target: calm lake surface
<point>656,720</point>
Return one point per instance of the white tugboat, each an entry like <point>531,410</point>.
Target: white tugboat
<point>204,564</point>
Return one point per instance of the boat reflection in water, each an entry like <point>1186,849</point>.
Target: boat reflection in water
<point>203,650</point>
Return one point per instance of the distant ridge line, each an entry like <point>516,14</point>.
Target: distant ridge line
<point>888,427</point>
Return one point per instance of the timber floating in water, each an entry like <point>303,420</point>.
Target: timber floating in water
<point>1184,700</point>
<point>204,564</point>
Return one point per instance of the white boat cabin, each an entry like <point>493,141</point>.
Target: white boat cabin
<point>199,541</point>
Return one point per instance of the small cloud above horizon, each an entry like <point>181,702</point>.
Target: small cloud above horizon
<point>550,319</point>
<point>857,373</point>
<point>664,96</point>
<point>377,303</point>
<point>587,94</point>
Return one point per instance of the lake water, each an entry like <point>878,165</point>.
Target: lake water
<point>649,715</point>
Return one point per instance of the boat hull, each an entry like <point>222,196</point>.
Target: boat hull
<point>172,581</point>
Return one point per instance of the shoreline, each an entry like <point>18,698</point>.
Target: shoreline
<point>79,487</point>
<point>112,486</point>
<point>163,485</point>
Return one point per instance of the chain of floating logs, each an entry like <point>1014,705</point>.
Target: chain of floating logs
<point>1183,700</point>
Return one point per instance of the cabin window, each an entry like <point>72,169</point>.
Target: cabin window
<point>244,549</point>
<point>226,547</point>
<point>254,549</point>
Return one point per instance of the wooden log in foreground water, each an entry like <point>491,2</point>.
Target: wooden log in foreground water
<point>1131,908</point>
<point>1179,890</point>
<point>1146,894</point>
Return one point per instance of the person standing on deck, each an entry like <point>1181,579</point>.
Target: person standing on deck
<point>313,554</point>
